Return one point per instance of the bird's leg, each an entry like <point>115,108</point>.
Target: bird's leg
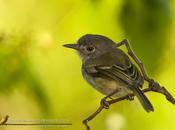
<point>104,103</point>
<point>151,82</point>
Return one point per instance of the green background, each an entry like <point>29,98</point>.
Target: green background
<point>39,79</point>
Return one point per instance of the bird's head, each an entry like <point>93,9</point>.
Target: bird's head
<point>91,46</point>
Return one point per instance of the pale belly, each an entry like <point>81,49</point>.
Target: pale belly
<point>106,86</point>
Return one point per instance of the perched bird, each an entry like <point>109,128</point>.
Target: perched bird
<point>108,69</point>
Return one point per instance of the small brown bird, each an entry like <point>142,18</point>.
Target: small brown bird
<point>108,69</point>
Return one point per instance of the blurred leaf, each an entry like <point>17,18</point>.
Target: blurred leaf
<point>147,25</point>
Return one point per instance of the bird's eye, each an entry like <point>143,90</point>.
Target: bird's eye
<point>90,49</point>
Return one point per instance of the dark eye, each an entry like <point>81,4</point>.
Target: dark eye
<point>90,49</point>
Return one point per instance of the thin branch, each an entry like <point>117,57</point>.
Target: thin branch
<point>5,121</point>
<point>155,87</point>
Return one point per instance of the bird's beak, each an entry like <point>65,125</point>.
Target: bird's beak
<point>73,46</point>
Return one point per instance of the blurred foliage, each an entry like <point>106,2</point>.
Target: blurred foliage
<point>15,67</point>
<point>41,79</point>
<point>147,24</point>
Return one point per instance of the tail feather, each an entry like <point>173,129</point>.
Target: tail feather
<point>143,99</point>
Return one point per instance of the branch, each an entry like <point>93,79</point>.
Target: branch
<point>4,120</point>
<point>155,87</point>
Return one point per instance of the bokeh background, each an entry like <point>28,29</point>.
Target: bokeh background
<point>39,79</point>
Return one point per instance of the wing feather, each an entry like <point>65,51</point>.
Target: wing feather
<point>129,75</point>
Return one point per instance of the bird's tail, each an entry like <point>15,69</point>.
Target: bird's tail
<point>143,99</point>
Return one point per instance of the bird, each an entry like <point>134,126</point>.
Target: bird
<point>109,69</point>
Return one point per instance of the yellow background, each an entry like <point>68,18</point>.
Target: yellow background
<point>39,79</point>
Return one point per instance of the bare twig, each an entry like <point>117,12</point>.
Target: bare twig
<point>4,120</point>
<point>155,88</point>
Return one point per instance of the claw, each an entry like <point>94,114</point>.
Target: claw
<point>104,103</point>
<point>130,97</point>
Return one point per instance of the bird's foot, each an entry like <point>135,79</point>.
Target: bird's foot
<point>105,103</point>
<point>130,97</point>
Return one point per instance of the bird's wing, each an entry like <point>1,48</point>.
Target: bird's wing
<point>130,76</point>
<point>117,65</point>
